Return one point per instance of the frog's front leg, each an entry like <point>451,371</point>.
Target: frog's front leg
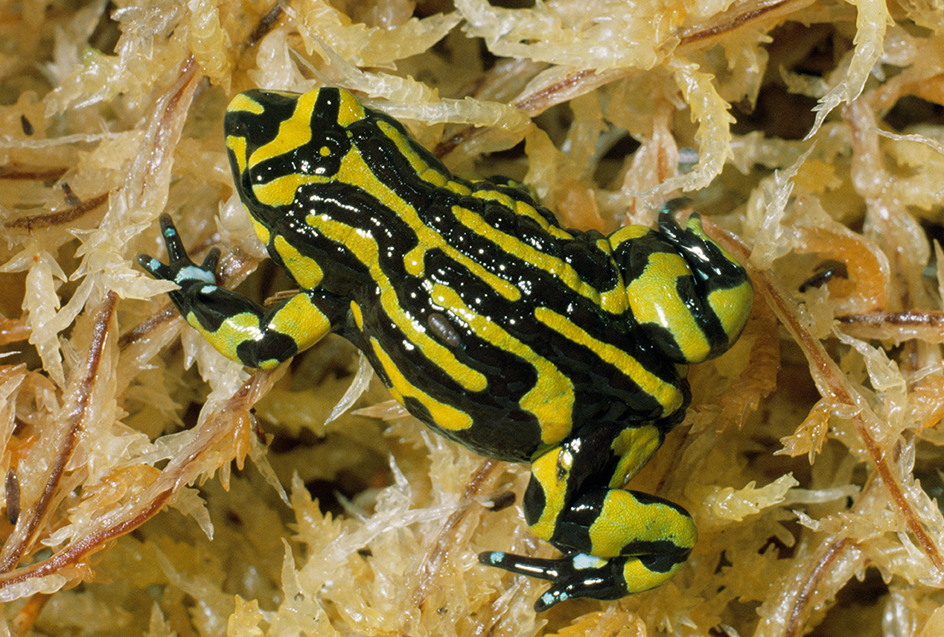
<point>237,327</point>
<point>614,542</point>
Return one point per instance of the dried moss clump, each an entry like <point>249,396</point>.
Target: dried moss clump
<point>810,134</point>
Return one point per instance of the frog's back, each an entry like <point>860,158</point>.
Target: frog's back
<point>483,316</point>
<point>515,328</point>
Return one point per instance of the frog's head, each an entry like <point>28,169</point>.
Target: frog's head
<point>280,141</point>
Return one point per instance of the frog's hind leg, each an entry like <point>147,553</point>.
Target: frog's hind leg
<point>614,542</point>
<point>687,293</point>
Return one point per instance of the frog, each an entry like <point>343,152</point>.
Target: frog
<point>563,349</point>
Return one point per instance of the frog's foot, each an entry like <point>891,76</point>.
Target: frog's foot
<point>180,269</point>
<point>584,575</point>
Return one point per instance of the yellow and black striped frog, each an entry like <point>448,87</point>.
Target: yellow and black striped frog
<point>489,322</point>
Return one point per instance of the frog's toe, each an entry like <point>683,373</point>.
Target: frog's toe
<point>175,246</point>
<point>530,566</point>
<point>211,261</point>
<point>576,575</point>
<point>155,268</point>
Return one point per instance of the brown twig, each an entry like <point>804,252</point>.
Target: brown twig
<point>74,413</point>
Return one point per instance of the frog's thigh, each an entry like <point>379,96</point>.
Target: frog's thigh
<point>612,522</point>
<point>570,503</point>
<point>306,317</point>
<point>284,330</point>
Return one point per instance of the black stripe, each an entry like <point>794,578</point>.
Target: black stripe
<point>260,129</point>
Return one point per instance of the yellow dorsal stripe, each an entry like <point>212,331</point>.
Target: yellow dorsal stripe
<point>293,132</point>
<point>551,400</point>
<point>666,394</point>
<point>366,249</point>
<point>355,172</point>
<point>445,416</point>
<point>613,301</point>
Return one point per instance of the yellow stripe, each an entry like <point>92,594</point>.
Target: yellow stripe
<point>624,519</point>
<point>413,261</point>
<point>358,315</point>
<point>293,132</point>
<point>423,170</point>
<point>552,471</point>
<point>366,249</point>
<point>653,299</point>
<point>298,318</point>
<point>443,415</point>
<point>233,331</point>
<point>638,578</point>
<point>612,301</point>
<point>237,144</point>
<point>355,171</point>
<point>281,190</point>
<point>551,400</point>
<point>524,209</point>
<point>627,233</point>
<point>242,103</point>
<point>349,110</point>
<point>633,446</point>
<point>666,394</point>
<point>733,308</point>
<point>301,320</point>
<point>261,231</point>
<point>306,270</point>
<point>458,188</point>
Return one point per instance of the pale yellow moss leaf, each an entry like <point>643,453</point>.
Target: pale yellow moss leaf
<point>934,626</point>
<point>275,64</point>
<point>159,626</point>
<point>601,36</point>
<point>41,303</point>
<point>811,434</point>
<point>358,386</point>
<point>245,620</point>
<point>727,503</point>
<point>373,46</point>
<point>210,43</point>
<point>871,21</point>
<point>710,111</point>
